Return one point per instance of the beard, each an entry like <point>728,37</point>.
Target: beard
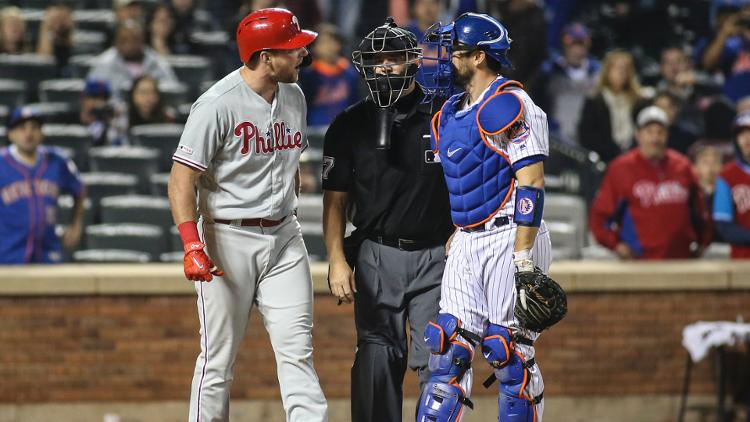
<point>286,76</point>
<point>462,76</point>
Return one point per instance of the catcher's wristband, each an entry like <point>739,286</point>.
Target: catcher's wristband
<point>522,260</point>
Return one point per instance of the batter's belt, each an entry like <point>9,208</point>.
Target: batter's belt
<point>251,222</point>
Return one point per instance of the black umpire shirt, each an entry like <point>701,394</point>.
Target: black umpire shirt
<point>398,192</point>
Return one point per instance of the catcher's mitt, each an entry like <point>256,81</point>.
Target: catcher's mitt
<point>541,301</point>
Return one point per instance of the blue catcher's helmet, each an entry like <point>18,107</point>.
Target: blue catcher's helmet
<point>469,31</point>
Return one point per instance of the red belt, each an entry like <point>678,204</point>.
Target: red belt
<point>253,222</point>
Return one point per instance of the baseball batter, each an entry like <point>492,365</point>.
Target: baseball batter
<point>492,141</point>
<point>241,147</point>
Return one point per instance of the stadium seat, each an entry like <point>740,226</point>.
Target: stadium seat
<point>163,137</point>
<point>110,255</point>
<point>12,92</point>
<point>62,90</point>
<point>136,209</point>
<point>560,207</point>
<point>101,20</point>
<point>176,256</point>
<point>212,44</point>
<point>80,65</point>
<point>192,71</point>
<point>74,137</point>
<point>135,237</point>
<point>310,210</point>
<point>89,42</point>
<point>183,111</point>
<point>31,68</point>
<point>159,182</point>
<point>100,185</point>
<point>316,246</point>
<point>139,161</point>
<point>65,210</point>
<point>175,242</point>
<point>564,237</point>
<point>63,113</point>
<point>175,94</point>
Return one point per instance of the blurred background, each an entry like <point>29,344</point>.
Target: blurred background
<point>105,339</point>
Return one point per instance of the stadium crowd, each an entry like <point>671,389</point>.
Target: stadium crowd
<point>655,95</point>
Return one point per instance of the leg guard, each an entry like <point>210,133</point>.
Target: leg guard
<point>442,398</point>
<point>510,369</point>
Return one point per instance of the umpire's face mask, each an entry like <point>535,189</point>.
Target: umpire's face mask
<point>389,76</point>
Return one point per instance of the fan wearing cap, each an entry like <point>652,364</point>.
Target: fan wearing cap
<point>32,178</point>
<point>378,161</point>
<point>731,211</point>
<point>233,192</point>
<point>566,80</point>
<point>650,204</point>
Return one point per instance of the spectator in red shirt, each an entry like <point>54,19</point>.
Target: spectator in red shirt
<point>731,211</point>
<point>650,205</point>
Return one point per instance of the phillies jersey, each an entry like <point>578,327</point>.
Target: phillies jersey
<point>732,200</point>
<point>28,210</point>
<point>480,174</point>
<point>247,149</point>
<point>656,208</point>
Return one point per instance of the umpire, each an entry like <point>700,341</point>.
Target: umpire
<point>379,166</point>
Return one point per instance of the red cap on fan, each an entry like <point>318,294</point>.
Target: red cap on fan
<point>271,29</point>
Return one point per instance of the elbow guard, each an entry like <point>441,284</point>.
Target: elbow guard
<point>529,206</point>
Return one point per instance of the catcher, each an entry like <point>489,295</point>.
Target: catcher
<point>492,141</point>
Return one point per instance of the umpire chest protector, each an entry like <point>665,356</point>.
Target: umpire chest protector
<point>479,177</point>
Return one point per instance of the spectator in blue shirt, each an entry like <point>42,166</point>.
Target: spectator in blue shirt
<point>425,13</point>
<point>331,83</point>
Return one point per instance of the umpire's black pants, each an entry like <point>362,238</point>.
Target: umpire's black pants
<point>392,285</point>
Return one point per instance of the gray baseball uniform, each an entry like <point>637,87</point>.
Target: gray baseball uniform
<point>248,152</point>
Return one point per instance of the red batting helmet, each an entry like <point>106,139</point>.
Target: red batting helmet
<point>267,29</point>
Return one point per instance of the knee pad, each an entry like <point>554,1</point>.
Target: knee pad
<point>440,333</point>
<point>511,370</point>
<point>443,399</point>
<point>497,345</point>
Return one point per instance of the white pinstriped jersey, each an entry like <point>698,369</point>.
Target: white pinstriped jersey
<point>532,140</point>
<point>247,149</point>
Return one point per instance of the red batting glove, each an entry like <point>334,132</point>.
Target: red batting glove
<point>198,266</point>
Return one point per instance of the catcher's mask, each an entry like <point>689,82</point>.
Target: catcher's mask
<point>387,40</point>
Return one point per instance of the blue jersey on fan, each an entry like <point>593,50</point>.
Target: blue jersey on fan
<point>28,205</point>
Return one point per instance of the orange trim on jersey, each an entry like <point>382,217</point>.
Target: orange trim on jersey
<point>435,127</point>
<point>328,69</point>
<point>507,196</point>
<point>509,82</point>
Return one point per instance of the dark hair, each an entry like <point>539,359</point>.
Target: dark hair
<point>158,114</point>
<point>671,96</point>
<point>150,19</point>
<point>493,64</point>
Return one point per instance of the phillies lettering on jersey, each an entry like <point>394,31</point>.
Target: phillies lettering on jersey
<point>657,209</point>
<point>247,146</point>
<point>28,205</point>
<point>282,138</point>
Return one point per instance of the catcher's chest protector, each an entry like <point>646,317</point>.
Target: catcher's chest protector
<point>479,179</point>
